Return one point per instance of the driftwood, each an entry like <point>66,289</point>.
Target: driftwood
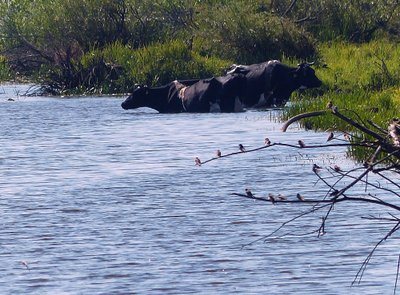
<point>382,161</point>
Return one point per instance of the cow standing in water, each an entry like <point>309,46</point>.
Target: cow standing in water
<point>208,95</point>
<point>271,83</point>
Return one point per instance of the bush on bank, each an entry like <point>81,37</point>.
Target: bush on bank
<point>117,68</point>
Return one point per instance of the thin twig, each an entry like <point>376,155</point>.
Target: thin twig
<point>397,275</point>
<point>364,265</point>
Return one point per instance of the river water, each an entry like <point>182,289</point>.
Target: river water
<point>98,200</point>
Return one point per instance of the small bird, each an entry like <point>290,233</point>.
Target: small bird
<point>249,193</point>
<point>300,197</point>
<point>267,141</point>
<point>197,161</point>
<point>219,154</point>
<point>329,105</point>
<point>330,137</point>
<point>241,148</point>
<point>301,144</point>
<point>334,192</point>
<point>316,168</point>
<point>282,197</point>
<point>271,198</point>
<point>337,168</point>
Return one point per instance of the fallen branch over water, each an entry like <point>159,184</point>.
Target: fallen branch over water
<point>382,147</point>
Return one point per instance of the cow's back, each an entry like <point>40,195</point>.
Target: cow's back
<point>199,96</point>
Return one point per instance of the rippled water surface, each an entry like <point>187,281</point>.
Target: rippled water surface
<point>98,200</point>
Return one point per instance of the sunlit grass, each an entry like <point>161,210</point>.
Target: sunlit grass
<point>5,73</point>
<point>363,79</point>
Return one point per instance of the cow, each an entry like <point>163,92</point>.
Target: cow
<point>271,83</point>
<point>216,94</point>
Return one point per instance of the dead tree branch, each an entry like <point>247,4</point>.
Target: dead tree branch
<point>382,161</point>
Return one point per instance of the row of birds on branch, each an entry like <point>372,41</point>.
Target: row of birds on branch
<point>267,142</point>
<point>273,198</point>
<point>242,149</point>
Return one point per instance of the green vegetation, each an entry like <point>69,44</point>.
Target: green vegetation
<point>5,72</point>
<point>104,46</point>
<point>363,78</point>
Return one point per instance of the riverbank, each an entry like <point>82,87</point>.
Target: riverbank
<point>360,78</point>
<point>364,78</point>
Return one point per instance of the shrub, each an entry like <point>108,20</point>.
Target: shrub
<point>161,63</point>
<point>242,33</point>
<point>117,68</point>
<point>356,21</point>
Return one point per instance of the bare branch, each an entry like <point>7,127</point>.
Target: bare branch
<point>302,116</point>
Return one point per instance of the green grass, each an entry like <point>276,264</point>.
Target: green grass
<point>5,72</point>
<point>154,65</point>
<point>362,79</point>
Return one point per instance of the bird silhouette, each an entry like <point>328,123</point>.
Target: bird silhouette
<point>249,193</point>
<point>330,137</point>
<point>316,168</point>
<point>300,197</point>
<point>219,154</point>
<point>267,141</point>
<point>301,144</point>
<point>197,161</point>
<point>282,197</point>
<point>241,148</point>
<point>337,168</point>
<point>271,198</point>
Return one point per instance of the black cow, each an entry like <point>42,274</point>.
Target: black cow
<point>207,95</point>
<point>271,83</point>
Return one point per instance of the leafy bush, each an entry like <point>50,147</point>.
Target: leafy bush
<point>356,21</point>
<point>161,63</point>
<point>117,68</point>
<point>239,32</point>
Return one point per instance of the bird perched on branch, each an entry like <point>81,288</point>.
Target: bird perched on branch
<point>337,168</point>
<point>241,148</point>
<point>329,105</point>
<point>301,144</point>
<point>219,154</point>
<point>197,161</point>
<point>300,197</point>
<point>281,197</point>
<point>330,137</point>
<point>249,193</point>
<point>316,168</point>
<point>267,141</point>
<point>271,198</point>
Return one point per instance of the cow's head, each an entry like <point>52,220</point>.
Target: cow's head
<point>305,75</point>
<point>136,99</point>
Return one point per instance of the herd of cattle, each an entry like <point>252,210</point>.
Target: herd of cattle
<point>267,84</point>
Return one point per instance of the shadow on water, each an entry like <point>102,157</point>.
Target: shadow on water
<point>99,200</point>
